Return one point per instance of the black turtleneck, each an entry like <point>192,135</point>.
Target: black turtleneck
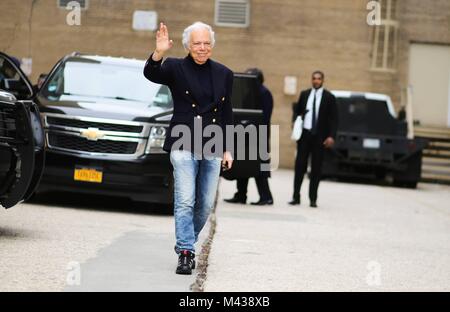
<point>203,76</point>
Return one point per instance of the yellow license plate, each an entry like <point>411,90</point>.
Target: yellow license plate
<point>88,175</point>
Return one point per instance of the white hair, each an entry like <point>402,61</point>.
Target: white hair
<point>196,26</point>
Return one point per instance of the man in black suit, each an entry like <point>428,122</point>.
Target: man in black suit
<point>317,107</point>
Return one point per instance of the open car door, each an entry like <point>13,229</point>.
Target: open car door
<point>248,113</point>
<point>21,136</point>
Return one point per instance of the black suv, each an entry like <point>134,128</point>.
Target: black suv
<point>105,126</point>
<point>21,135</point>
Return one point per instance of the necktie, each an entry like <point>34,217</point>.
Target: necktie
<point>313,128</point>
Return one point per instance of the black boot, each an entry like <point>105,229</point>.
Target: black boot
<point>186,262</point>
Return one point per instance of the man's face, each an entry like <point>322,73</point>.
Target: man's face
<point>200,46</point>
<point>317,81</point>
<point>8,71</point>
<point>40,82</point>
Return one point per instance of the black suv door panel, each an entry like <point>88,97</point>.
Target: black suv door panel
<point>39,148</point>
<point>21,136</point>
<point>17,138</point>
<point>246,112</point>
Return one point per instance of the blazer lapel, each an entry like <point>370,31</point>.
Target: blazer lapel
<point>322,104</point>
<point>305,103</point>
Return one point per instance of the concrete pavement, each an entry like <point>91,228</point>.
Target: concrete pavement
<point>105,244</point>
<point>361,238</point>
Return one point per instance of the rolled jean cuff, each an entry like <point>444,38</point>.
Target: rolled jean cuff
<point>178,250</point>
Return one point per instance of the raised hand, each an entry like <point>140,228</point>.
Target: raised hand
<point>163,42</point>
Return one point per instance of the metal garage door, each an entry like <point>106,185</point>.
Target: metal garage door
<point>429,76</point>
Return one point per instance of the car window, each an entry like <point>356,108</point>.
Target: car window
<point>7,71</point>
<point>245,92</point>
<point>357,114</point>
<point>12,81</point>
<point>110,81</point>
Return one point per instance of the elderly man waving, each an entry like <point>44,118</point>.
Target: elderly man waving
<point>201,90</point>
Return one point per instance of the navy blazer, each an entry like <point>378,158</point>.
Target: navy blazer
<point>327,120</point>
<point>266,104</point>
<point>178,75</point>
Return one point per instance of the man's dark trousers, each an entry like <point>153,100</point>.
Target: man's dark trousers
<point>308,144</point>
<point>262,183</point>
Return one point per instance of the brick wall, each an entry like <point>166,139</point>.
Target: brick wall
<point>288,37</point>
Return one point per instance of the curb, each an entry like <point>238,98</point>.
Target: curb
<point>202,268</point>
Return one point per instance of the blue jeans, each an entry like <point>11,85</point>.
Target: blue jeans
<point>195,188</point>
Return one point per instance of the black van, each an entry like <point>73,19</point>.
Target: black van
<point>372,142</point>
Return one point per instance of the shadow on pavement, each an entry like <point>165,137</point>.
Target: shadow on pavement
<point>367,181</point>
<point>99,203</point>
<point>12,233</point>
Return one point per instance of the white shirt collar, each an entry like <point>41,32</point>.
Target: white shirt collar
<point>318,91</point>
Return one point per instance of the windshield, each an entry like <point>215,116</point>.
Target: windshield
<point>91,78</point>
<point>357,114</point>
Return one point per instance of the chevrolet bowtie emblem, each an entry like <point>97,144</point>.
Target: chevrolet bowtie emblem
<point>92,134</point>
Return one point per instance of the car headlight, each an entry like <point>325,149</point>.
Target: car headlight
<point>156,139</point>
